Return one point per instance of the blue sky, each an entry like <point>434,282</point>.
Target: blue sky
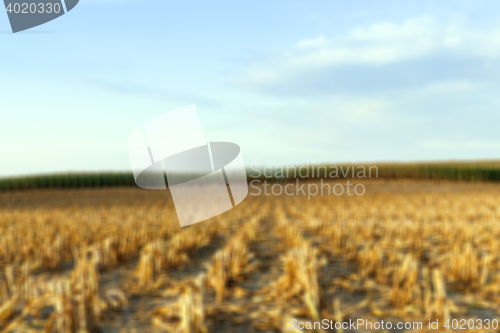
<point>289,81</point>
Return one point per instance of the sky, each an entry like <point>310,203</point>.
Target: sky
<point>289,81</point>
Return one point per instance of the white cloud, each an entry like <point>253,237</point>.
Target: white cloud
<point>375,45</point>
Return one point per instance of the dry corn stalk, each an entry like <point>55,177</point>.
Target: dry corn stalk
<point>232,263</point>
<point>187,315</point>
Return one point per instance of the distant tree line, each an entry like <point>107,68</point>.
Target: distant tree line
<point>432,171</point>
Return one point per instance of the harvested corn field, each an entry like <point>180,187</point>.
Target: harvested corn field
<point>116,260</point>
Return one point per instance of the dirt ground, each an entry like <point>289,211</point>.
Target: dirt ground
<point>404,251</point>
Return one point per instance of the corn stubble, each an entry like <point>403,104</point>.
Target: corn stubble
<point>71,261</point>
